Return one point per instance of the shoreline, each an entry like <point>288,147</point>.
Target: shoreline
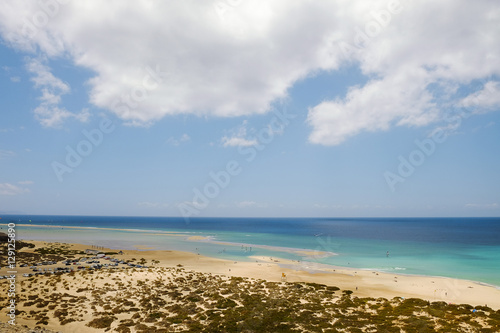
<point>363,283</point>
<point>162,290</point>
<point>194,237</point>
<point>430,276</point>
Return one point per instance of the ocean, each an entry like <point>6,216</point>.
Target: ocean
<point>464,248</point>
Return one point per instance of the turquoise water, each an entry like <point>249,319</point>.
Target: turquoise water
<point>458,248</point>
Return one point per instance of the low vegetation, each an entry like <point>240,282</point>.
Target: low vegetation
<point>173,299</point>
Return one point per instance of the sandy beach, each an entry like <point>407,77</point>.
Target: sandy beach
<point>368,283</point>
<point>160,263</point>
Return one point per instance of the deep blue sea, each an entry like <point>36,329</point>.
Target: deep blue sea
<point>466,248</point>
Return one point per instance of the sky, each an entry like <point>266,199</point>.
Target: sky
<point>275,108</point>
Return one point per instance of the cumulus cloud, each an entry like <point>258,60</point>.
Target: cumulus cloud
<point>394,100</point>
<point>182,56</point>
<point>186,57</point>
<point>418,59</point>
<point>49,113</point>
<point>10,189</point>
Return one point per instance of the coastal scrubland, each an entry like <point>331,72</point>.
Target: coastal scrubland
<point>176,298</point>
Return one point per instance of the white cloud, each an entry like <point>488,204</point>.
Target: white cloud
<point>239,60</point>
<point>243,204</point>
<point>237,142</point>
<point>482,206</point>
<point>147,204</point>
<point>249,203</point>
<point>238,137</point>
<point>176,142</point>
<point>207,62</point>
<point>49,113</point>
<point>484,100</point>
<point>380,104</point>
<point>10,189</point>
<point>15,79</point>
<point>417,62</point>
<point>321,206</point>
<point>45,80</point>
<point>26,182</point>
<point>6,153</point>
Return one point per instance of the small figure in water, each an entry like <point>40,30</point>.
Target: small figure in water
<point>387,254</point>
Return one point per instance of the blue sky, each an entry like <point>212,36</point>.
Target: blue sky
<point>335,109</point>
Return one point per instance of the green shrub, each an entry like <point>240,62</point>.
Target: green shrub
<point>102,322</point>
